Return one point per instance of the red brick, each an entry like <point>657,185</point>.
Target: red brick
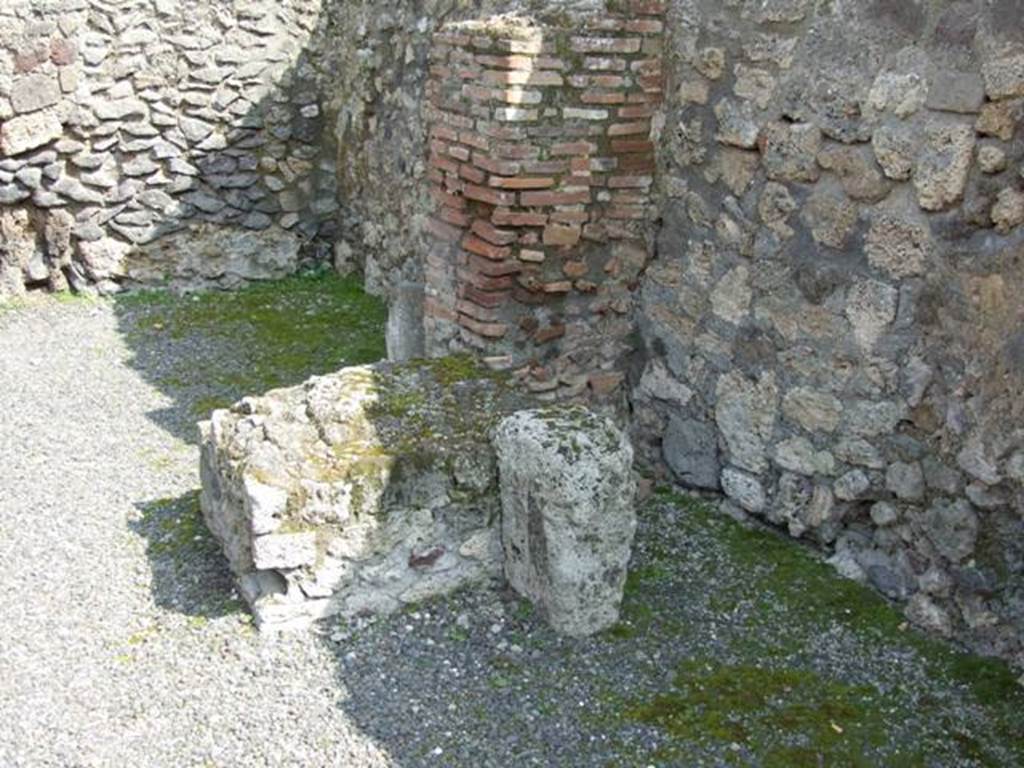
<point>629,182</point>
<point>637,111</point>
<point>443,164</point>
<point>506,218</point>
<point>573,148</point>
<point>532,256</point>
<point>605,44</point>
<point>490,299</point>
<point>459,153</point>
<point>481,247</point>
<point>630,129</point>
<point>520,62</point>
<point>485,282</point>
<point>474,175</point>
<point>443,231</point>
<point>454,217</point>
<point>558,234</point>
<point>477,312</point>
<point>555,198</point>
<point>515,151</point>
<point>645,26</point>
<point>628,146</point>
<point>500,167</point>
<point>490,196</point>
<point>484,229</point>
<point>630,198</point>
<point>488,268</point>
<point>443,132</point>
<point>542,167</point>
<point>475,141</point>
<point>512,77</point>
<point>522,182</point>
<point>500,131</point>
<point>597,81</point>
<point>634,213</point>
<point>443,198</point>
<point>603,97</point>
<point>570,217</point>
<point>486,330</point>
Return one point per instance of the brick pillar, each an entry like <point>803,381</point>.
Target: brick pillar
<point>541,166</point>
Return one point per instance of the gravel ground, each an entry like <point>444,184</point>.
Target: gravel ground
<point>123,644</point>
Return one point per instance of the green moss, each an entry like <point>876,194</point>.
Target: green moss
<point>177,526</point>
<point>767,709</point>
<point>261,337</point>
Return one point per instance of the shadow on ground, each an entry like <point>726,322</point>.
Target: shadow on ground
<point>735,648</point>
<point>208,350</point>
<point>190,575</point>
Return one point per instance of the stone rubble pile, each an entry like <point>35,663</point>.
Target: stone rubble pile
<point>378,487</point>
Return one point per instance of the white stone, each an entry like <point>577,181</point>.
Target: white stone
<point>567,495</point>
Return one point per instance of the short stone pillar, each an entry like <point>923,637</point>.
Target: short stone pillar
<point>568,517</point>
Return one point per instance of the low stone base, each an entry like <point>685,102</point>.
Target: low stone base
<point>360,491</point>
<point>568,518</point>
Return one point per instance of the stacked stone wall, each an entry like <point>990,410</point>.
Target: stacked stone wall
<point>541,163</point>
<point>833,326</point>
<point>154,140</point>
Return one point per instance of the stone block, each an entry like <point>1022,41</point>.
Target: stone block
<point>25,132</point>
<point>361,490</point>
<point>567,495</point>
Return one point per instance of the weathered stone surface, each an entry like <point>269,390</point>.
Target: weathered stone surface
<point>34,92</point>
<point>690,448</point>
<point>952,526</point>
<point>940,173</point>
<point>361,490</point>
<point>962,92</point>
<point>897,246</point>
<point>746,414</point>
<point>216,253</point>
<point>567,496</point>
<point>1008,212</point>
<point>1004,76</point>
<point>871,308</point>
<point>790,152</point>
<point>813,410</point>
<point>744,489</point>
<point>25,132</point>
<point>896,146</point>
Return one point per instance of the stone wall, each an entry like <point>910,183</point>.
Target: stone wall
<point>158,140</point>
<point>833,324</point>
<point>540,165</point>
